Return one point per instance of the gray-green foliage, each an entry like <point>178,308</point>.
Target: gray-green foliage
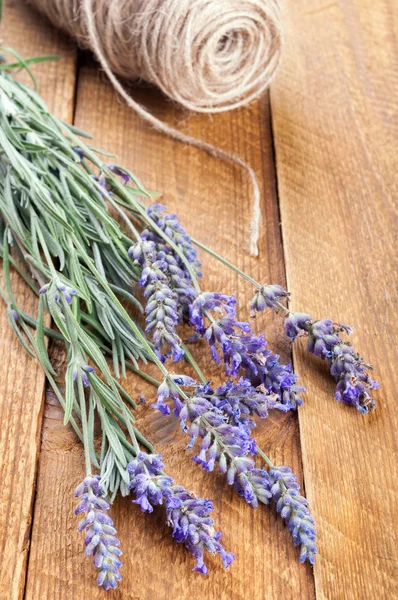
<point>58,232</point>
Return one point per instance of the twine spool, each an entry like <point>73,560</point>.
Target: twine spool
<point>207,55</point>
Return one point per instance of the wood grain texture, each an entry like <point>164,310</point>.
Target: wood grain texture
<point>213,200</point>
<point>21,380</point>
<point>335,120</point>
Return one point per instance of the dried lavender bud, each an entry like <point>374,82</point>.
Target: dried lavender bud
<point>273,377</point>
<point>120,173</point>
<point>210,301</point>
<point>185,513</point>
<point>82,372</point>
<point>66,291</point>
<point>293,508</point>
<point>174,267</point>
<point>267,297</point>
<point>99,540</point>
<point>354,383</point>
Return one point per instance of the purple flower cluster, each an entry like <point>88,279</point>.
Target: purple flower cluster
<point>186,514</point>
<point>169,223</point>
<point>166,279</point>
<point>66,291</point>
<point>179,277</point>
<point>189,518</point>
<point>82,372</point>
<point>268,296</point>
<point>221,420</point>
<point>241,349</point>
<point>162,301</point>
<point>354,383</point>
<point>100,540</point>
<point>149,485</point>
<point>293,508</point>
<point>270,375</point>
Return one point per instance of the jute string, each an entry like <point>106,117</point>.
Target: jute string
<point>207,55</point>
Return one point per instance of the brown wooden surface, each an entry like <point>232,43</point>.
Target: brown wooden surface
<point>334,121</point>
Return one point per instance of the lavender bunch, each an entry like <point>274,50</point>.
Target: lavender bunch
<point>56,198</point>
<point>99,541</point>
<point>187,515</point>
<point>354,384</point>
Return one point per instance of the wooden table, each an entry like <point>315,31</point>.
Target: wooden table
<point>324,146</point>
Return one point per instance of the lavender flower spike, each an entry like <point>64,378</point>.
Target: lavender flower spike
<point>170,224</point>
<point>162,301</point>
<point>293,508</point>
<point>354,383</point>
<point>185,513</point>
<point>100,540</point>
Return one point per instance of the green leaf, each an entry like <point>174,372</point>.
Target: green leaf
<point>56,313</point>
<point>40,340</point>
<point>69,391</point>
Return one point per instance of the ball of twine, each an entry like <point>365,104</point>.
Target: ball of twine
<point>207,55</point>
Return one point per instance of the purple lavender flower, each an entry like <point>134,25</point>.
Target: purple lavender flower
<point>66,291</point>
<point>354,383</point>
<point>267,297</point>
<point>162,302</point>
<point>189,518</point>
<point>242,350</point>
<point>210,301</point>
<point>239,401</point>
<point>186,514</point>
<point>147,482</point>
<point>175,268</point>
<point>80,152</point>
<point>83,371</point>
<point>293,508</point>
<point>171,226</point>
<point>120,173</point>
<point>221,420</point>
<point>100,540</point>
<point>168,389</point>
<point>269,375</point>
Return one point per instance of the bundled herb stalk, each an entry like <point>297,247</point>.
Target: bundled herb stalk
<point>79,232</point>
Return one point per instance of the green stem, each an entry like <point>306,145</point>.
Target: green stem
<point>193,363</point>
<point>265,458</point>
<point>51,380</point>
<point>226,262</point>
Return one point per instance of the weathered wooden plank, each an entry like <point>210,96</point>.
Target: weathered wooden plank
<point>21,380</point>
<point>334,109</point>
<point>213,200</point>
